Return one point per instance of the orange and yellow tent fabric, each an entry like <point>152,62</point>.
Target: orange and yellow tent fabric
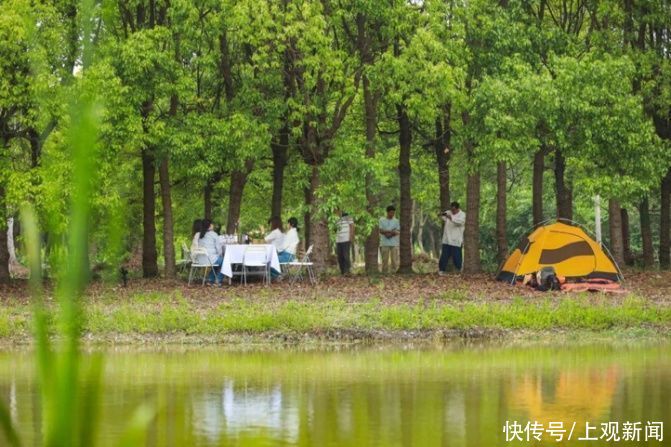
<point>567,248</point>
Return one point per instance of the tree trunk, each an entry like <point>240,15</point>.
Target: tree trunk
<point>564,193</point>
<point>372,243</point>
<point>279,149</point>
<point>149,254</point>
<point>405,171</point>
<point>11,248</point>
<point>307,217</point>
<point>665,223</point>
<point>646,233</point>
<point>207,199</point>
<point>615,227</point>
<point>501,241</point>
<point>626,238</point>
<point>537,189</point>
<point>319,234</point>
<point>443,152</point>
<point>238,182</point>
<point>472,230</point>
<point>4,252</point>
<point>168,229</point>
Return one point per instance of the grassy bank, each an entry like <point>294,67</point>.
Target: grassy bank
<point>178,314</point>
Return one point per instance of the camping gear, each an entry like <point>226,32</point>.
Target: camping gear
<point>565,247</point>
<point>546,279</point>
<point>593,285</point>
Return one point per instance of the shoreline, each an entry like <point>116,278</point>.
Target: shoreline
<point>359,338</point>
<point>359,310</point>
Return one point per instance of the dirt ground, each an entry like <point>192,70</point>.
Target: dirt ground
<point>393,289</point>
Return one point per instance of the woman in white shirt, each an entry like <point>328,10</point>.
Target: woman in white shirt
<point>290,242</point>
<point>210,242</point>
<point>195,230</point>
<point>275,237</point>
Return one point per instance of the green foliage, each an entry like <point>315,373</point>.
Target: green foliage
<point>208,86</point>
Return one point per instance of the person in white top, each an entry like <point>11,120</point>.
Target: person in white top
<point>289,242</point>
<point>453,237</point>
<point>344,238</point>
<point>209,240</point>
<point>275,237</point>
<point>195,230</point>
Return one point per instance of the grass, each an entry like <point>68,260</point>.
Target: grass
<point>166,314</point>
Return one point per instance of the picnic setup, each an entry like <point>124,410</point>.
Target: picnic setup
<point>216,258</point>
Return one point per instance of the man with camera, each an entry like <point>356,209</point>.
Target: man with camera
<point>453,237</point>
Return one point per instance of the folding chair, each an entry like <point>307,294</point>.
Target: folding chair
<point>304,264</point>
<point>186,258</point>
<point>200,259</point>
<point>256,257</point>
<point>284,266</point>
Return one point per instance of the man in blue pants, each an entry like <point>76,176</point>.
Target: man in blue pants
<point>453,237</point>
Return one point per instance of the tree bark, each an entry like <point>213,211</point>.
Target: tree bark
<point>371,245</point>
<point>207,199</point>
<point>168,229</point>
<point>537,188</point>
<point>319,234</point>
<point>646,233</point>
<point>626,237</point>
<point>615,227</point>
<point>279,148</point>
<point>307,217</point>
<point>11,248</point>
<point>238,182</point>
<point>564,193</point>
<point>443,152</point>
<point>501,241</point>
<point>665,223</point>
<point>4,252</point>
<point>472,230</point>
<point>149,254</point>
<point>405,171</point>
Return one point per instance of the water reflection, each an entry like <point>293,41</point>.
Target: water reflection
<point>237,410</point>
<point>583,395</point>
<point>362,397</point>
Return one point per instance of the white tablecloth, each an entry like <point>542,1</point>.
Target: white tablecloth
<point>235,252</point>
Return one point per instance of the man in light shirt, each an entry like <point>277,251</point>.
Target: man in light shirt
<point>344,239</point>
<point>453,237</point>
<point>390,229</point>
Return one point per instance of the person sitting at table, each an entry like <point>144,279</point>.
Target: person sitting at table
<point>290,242</point>
<point>195,231</point>
<point>275,237</point>
<point>209,240</point>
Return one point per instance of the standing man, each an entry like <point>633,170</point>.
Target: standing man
<point>344,239</point>
<point>389,229</point>
<point>453,237</point>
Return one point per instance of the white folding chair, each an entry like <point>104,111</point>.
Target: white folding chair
<point>200,260</point>
<point>186,258</point>
<point>284,266</point>
<point>304,264</point>
<point>256,257</point>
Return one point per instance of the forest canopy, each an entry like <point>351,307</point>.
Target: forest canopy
<point>239,110</point>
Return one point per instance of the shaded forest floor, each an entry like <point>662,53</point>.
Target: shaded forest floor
<point>653,287</point>
<point>394,307</point>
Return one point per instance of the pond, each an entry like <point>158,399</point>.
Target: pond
<point>463,395</point>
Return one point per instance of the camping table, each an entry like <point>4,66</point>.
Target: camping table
<point>235,252</point>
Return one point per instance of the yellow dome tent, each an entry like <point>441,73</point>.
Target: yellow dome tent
<point>567,248</point>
